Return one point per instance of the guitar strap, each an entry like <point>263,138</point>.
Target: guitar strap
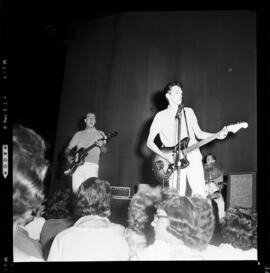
<point>186,122</point>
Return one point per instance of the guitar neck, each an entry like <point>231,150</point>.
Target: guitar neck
<point>200,143</point>
<point>89,148</point>
<point>95,144</point>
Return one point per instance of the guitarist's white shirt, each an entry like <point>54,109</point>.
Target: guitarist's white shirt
<point>167,126</point>
<point>84,139</point>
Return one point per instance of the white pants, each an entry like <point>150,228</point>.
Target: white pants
<point>195,175</point>
<point>82,173</point>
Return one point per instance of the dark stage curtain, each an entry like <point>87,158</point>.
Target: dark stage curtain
<point>117,66</point>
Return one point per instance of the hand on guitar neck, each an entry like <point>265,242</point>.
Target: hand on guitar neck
<point>223,133</point>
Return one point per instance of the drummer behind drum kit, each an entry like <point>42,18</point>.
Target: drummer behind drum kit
<point>213,175</point>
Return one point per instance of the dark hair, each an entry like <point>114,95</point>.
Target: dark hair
<point>29,169</point>
<point>168,87</point>
<point>93,198</point>
<point>59,205</point>
<point>141,206</point>
<point>240,228</point>
<point>93,113</point>
<point>190,219</point>
<point>210,154</point>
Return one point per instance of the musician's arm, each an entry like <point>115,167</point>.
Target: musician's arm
<point>67,151</point>
<point>70,147</point>
<point>104,148</point>
<point>103,144</point>
<point>67,155</point>
<point>199,133</point>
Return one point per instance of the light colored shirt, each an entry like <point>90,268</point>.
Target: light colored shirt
<point>34,227</point>
<point>26,249</point>
<point>228,252</point>
<point>161,250</point>
<point>85,139</point>
<point>92,238</point>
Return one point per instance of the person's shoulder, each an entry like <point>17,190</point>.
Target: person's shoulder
<point>161,113</point>
<point>188,109</point>
<point>118,228</point>
<point>228,252</point>
<point>190,112</point>
<point>64,233</point>
<point>159,250</point>
<point>212,252</point>
<point>78,133</point>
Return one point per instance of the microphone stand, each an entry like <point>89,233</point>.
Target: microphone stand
<point>178,116</point>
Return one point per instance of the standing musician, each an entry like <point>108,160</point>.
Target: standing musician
<point>83,139</point>
<point>165,124</point>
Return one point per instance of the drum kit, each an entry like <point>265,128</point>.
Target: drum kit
<point>213,175</point>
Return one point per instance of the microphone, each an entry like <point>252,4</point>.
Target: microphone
<point>180,107</point>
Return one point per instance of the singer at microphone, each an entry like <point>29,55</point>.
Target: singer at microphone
<point>166,125</point>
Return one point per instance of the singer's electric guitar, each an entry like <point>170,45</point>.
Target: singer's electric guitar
<point>79,155</point>
<point>163,169</point>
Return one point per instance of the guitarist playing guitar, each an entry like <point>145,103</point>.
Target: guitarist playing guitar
<point>90,163</point>
<point>165,125</point>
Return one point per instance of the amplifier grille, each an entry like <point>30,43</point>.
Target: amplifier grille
<point>120,192</point>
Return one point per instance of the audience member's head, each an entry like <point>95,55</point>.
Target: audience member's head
<point>93,198</point>
<point>240,228</point>
<point>142,206</point>
<point>29,169</point>
<point>59,205</point>
<point>137,214</point>
<point>189,219</point>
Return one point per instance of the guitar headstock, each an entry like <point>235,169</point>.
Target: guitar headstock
<point>237,126</point>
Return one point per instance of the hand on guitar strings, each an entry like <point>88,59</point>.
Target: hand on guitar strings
<point>169,158</point>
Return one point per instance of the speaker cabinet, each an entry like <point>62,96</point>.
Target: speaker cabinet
<point>241,190</point>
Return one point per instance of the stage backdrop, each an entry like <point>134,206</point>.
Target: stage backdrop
<point>116,66</point>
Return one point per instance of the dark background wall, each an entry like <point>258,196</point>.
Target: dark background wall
<point>34,36</point>
<point>117,65</point>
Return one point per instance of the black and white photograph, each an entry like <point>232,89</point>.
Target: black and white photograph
<point>138,135</point>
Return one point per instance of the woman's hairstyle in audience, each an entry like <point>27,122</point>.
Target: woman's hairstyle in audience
<point>93,198</point>
<point>191,219</point>
<point>142,206</point>
<point>59,205</point>
<point>29,169</point>
<point>240,228</point>
<point>137,213</point>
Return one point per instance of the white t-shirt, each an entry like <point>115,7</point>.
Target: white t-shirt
<point>85,139</point>
<point>92,238</point>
